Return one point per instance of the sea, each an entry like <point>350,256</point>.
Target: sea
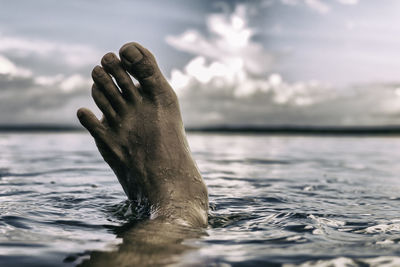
<point>275,200</point>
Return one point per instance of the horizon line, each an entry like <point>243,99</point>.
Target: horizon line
<point>261,129</point>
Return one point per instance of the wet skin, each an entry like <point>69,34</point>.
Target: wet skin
<point>141,136</point>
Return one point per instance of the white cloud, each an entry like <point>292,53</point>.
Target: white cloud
<point>231,70</point>
<point>28,98</point>
<point>231,83</point>
<point>75,55</point>
<point>230,42</point>
<point>66,84</point>
<point>49,80</point>
<point>290,2</point>
<point>348,2</point>
<point>29,93</point>
<point>9,68</point>
<point>75,82</point>
<point>318,6</point>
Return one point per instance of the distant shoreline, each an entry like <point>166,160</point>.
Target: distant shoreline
<point>304,130</point>
<point>283,129</point>
<point>39,128</point>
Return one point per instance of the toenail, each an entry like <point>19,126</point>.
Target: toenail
<point>132,54</point>
<point>98,71</point>
<point>108,58</point>
<point>80,113</point>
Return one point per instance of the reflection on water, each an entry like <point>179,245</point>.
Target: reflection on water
<point>273,199</point>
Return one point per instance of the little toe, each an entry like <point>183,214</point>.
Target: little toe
<point>91,123</point>
<point>113,65</point>
<point>98,131</point>
<point>106,84</point>
<point>141,63</point>
<point>104,105</point>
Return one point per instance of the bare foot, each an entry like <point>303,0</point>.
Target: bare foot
<point>141,137</point>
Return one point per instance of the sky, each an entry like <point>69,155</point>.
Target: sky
<point>259,62</point>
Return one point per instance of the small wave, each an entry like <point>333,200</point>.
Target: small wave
<point>20,192</point>
<point>280,240</point>
<point>385,242</point>
<point>327,222</point>
<point>221,221</point>
<point>6,173</point>
<point>73,223</point>
<point>299,228</point>
<point>254,161</point>
<point>380,228</point>
<point>383,261</point>
<point>15,221</point>
<point>21,245</point>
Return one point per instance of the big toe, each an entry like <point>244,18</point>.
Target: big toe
<point>139,61</point>
<point>142,65</point>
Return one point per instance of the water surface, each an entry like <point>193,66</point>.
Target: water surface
<point>278,200</point>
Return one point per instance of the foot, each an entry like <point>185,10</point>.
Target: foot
<point>141,137</point>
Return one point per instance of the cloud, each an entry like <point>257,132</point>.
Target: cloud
<point>290,2</point>
<point>40,80</point>
<point>348,2</point>
<point>231,79</point>
<point>26,98</point>
<point>9,68</point>
<point>74,55</point>
<point>229,75</point>
<point>230,43</point>
<point>229,82</point>
<point>318,5</point>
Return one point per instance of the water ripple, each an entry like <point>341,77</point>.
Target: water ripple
<point>274,201</point>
